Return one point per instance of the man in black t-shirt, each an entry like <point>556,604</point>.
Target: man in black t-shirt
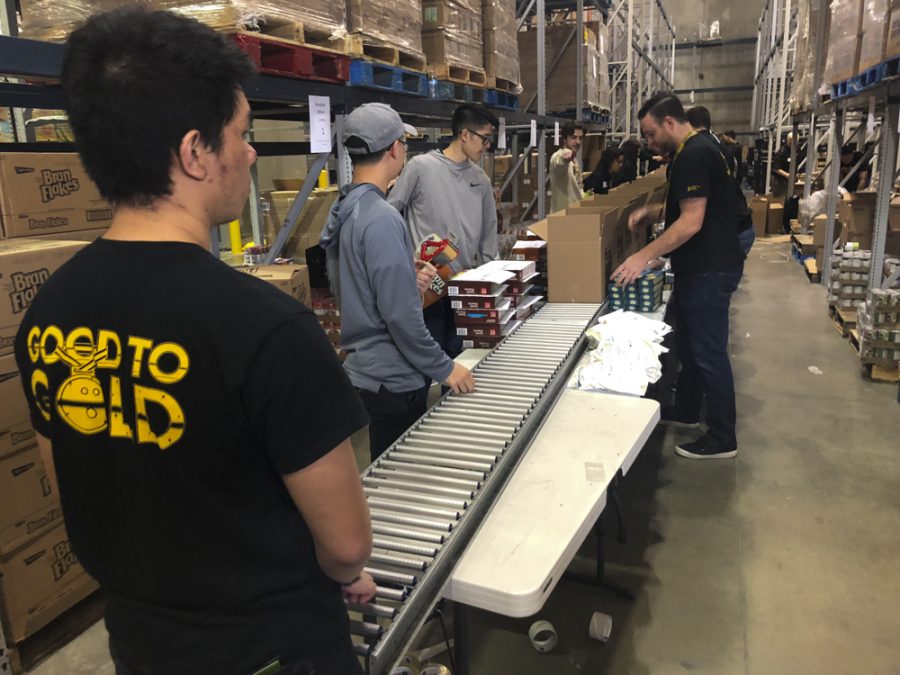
<point>195,418</point>
<point>701,234</point>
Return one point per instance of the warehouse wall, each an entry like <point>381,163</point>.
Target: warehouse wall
<point>726,65</point>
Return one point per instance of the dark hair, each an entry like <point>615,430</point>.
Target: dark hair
<point>569,129</point>
<point>630,148</point>
<point>661,105</point>
<point>848,149</point>
<point>607,158</point>
<point>135,82</point>
<point>371,158</point>
<point>699,117</point>
<point>731,134</point>
<point>468,116</point>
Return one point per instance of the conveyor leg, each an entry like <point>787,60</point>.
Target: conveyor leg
<point>461,638</point>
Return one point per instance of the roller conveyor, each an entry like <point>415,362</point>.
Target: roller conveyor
<point>428,492</point>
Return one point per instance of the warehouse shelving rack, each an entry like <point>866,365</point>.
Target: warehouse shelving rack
<point>775,52</point>
<point>641,62</point>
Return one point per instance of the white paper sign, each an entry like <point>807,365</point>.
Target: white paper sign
<point>556,133</point>
<point>870,122</point>
<point>501,135</point>
<point>319,124</point>
<point>533,143</point>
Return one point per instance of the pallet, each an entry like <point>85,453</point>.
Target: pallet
<point>311,36</point>
<point>844,321</point>
<point>384,77</point>
<point>374,49</point>
<point>446,90</point>
<point>284,58</point>
<point>498,83</point>
<point>882,372</point>
<point>865,79</point>
<point>25,655</point>
<point>812,271</point>
<point>496,98</point>
<point>449,72</point>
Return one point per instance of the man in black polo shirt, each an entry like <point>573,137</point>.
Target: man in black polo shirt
<point>701,235</point>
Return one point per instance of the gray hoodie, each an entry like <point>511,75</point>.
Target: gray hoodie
<point>440,196</point>
<point>369,258</point>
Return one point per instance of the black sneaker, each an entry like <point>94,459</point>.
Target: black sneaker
<point>668,418</point>
<point>703,450</point>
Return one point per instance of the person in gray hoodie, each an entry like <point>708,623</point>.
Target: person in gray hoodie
<point>445,192</point>
<point>369,260</point>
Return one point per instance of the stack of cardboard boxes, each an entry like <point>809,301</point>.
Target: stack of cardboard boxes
<point>49,194</point>
<point>588,240</point>
<point>452,37</point>
<point>483,309</point>
<point>525,297</point>
<point>39,576</point>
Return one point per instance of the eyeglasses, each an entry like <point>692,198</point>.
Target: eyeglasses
<point>485,140</point>
<point>404,142</point>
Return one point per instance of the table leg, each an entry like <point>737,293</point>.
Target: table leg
<point>461,638</point>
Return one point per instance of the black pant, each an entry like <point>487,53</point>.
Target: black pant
<point>701,305</point>
<point>441,323</point>
<point>339,661</point>
<point>391,414</point>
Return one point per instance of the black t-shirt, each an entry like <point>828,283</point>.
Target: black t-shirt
<point>177,392</point>
<point>699,171</point>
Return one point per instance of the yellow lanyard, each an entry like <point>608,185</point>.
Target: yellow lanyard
<point>690,135</point>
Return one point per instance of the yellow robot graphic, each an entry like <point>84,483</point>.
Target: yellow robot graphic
<point>79,399</point>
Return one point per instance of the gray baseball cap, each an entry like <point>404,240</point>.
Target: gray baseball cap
<point>376,125</point>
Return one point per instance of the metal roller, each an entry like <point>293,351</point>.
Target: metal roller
<point>403,547</point>
<point>468,429</point>
<point>414,457</point>
<point>448,417</point>
<point>416,497</point>
<point>489,410</point>
<point>406,533</point>
<point>477,476</point>
<point>407,485</point>
<point>370,609</point>
<point>443,439</point>
<point>423,440</point>
<point>450,515</point>
<point>430,449</point>
<point>428,477</point>
<point>366,629</point>
<point>362,649</point>
<point>397,561</point>
<point>413,521</point>
<point>390,593</point>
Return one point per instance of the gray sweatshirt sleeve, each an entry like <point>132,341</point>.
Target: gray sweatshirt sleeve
<point>487,247</point>
<point>403,189</point>
<point>390,269</point>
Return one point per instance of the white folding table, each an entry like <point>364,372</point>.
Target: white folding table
<point>549,505</point>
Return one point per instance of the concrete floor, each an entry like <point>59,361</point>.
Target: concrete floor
<point>784,560</point>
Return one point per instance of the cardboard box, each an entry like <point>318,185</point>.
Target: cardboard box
<point>581,255</point>
<point>81,235</point>
<point>313,216</point>
<point>894,215</point>
<point>48,192</point>
<point>857,212</point>
<point>28,505</point>
<point>819,223</point>
<point>864,239</point>
<point>292,279</point>
<point>25,264</point>
<point>892,45</point>
<point>820,257</point>
<point>774,219</point>
<point>40,581</point>
<point>759,206</point>
<point>13,406</point>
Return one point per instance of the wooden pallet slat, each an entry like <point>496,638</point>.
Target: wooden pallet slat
<point>451,72</point>
<point>285,58</point>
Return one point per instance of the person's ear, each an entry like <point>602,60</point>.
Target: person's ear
<point>193,155</point>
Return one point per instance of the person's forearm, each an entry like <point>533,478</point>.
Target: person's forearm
<point>341,571</point>
<point>668,241</point>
